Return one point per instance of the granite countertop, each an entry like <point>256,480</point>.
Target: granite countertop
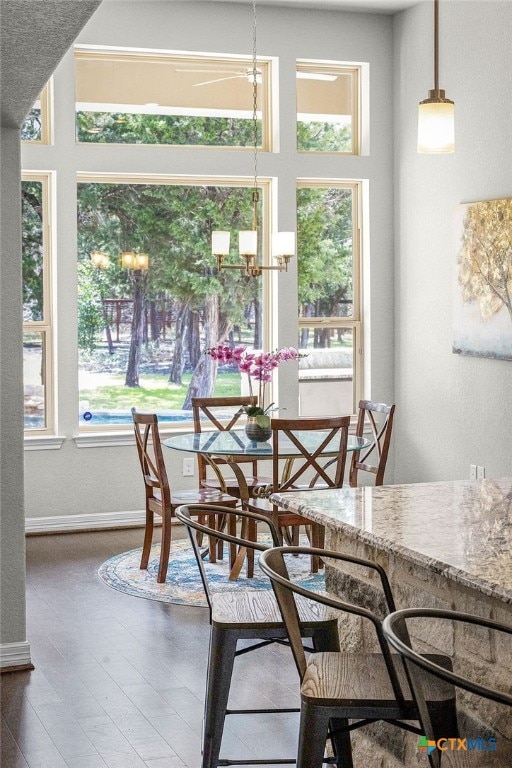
<point>462,530</point>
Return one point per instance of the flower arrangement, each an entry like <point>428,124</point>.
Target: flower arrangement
<point>258,366</point>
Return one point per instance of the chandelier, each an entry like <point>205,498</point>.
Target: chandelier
<point>132,260</point>
<point>283,243</point>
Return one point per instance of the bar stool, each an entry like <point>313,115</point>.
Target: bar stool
<point>244,615</point>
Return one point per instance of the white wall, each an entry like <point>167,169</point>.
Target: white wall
<point>452,410</point>
<point>78,481</point>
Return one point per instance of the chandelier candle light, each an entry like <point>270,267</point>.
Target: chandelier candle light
<point>436,114</point>
<point>283,243</point>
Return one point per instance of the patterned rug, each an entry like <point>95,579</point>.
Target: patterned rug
<point>183,584</point>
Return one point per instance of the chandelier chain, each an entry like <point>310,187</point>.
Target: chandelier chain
<point>254,93</point>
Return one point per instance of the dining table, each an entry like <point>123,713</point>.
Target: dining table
<point>232,446</point>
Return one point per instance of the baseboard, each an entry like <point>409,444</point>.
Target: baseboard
<point>62,523</point>
<point>15,656</point>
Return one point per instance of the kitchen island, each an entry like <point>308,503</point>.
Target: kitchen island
<point>443,545</point>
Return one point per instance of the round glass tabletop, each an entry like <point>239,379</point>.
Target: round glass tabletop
<point>236,443</point>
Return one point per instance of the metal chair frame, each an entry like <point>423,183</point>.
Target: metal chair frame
<point>395,631</point>
<point>225,633</point>
<point>318,713</point>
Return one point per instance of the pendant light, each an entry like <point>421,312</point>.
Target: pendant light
<point>283,243</point>
<point>436,114</point>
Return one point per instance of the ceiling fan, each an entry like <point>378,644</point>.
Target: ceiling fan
<point>248,75</point>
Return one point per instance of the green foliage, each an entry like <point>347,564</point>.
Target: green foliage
<point>172,224</point>
<point>31,126</point>
<point>90,312</point>
<point>154,394</point>
<point>323,137</point>
<point>32,250</point>
<point>178,130</point>
<point>324,221</point>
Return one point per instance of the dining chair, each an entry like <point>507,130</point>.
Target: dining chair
<point>423,671</point>
<point>241,615</point>
<point>311,468</point>
<point>378,417</point>
<point>224,414</point>
<point>338,687</point>
<point>159,497</point>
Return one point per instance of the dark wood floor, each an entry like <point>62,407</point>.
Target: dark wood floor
<point>119,680</point>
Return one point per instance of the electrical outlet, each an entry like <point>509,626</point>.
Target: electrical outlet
<point>480,473</point>
<point>188,467</point>
<point>472,471</point>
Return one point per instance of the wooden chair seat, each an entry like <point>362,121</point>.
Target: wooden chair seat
<point>362,679</point>
<point>259,607</point>
<point>201,496</point>
<point>231,484</point>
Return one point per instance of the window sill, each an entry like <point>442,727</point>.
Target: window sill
<point>43,442</point>
<point>108,439</point>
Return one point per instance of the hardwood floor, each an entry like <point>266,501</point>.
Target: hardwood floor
<point>119,680</point>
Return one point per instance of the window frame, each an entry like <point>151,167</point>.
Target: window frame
<point>267,189</point>
<point>45,327</point>
<point>355,322</point>
<point>355,70</point>
<point>265,63</point>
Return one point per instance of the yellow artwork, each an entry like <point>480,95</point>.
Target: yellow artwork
<point>483,293</point>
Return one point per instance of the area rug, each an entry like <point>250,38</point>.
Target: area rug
<point>183,583</point>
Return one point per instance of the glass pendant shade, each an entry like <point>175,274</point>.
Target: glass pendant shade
<point>141,261</point>
<point>132,260</point>
<point>248,242</point>
<point>220,243</point>
<point>283,244</point>
<point>100,260</point>
<point>436,127</point>
<point>127,259</point>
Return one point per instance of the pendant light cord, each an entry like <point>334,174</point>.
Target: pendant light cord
<point>436,45</point>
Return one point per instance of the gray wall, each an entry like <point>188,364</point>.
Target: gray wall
<point>452,410</point>
<point>104,479</point>
<point>12,573</point>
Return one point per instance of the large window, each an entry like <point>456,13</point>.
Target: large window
<point>327,107</point>
<point>37,310</point>
<point>137,98</point>
<point>329,297</point>
<point>146,319</point>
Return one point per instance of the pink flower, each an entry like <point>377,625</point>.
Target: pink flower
<point>244,366</point>
<point>288,353</point>
<point>256,365</point>
<point>238,353</point>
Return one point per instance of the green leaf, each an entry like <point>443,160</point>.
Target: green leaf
<point>263,421</point>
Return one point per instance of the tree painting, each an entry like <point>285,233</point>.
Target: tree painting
<point>484,279</point>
